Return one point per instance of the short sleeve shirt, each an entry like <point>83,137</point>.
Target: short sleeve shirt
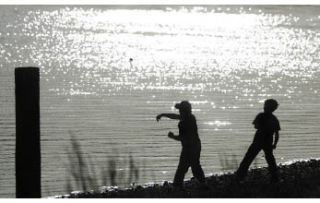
<point>266,124</point>
<point>188,131</point>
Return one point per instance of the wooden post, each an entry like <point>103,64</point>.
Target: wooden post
<point>28,161</point>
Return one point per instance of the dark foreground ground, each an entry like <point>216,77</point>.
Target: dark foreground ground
<point>299,180</point>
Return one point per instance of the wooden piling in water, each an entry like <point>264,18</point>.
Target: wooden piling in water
<point>28,158</point>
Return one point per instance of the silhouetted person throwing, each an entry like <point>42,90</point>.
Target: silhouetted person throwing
<point>267,125</point>
<point>191,145</point>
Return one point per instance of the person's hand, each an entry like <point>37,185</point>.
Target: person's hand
<point>158,117</point>
<point>170,134</point>
<point>274,146</point>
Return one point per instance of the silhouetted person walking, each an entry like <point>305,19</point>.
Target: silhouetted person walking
<point>191,145</point>
<point>267,125</point>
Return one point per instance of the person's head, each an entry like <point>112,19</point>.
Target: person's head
<point>270,105</point>
<point>184,108</point>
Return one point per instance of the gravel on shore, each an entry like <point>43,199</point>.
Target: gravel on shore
<point>299,179</point>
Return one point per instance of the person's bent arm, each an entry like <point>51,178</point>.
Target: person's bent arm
<point>168,115</point>
<point>276,139</point>
<point>175,137</point>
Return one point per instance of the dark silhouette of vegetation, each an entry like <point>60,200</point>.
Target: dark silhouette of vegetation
<point>85,174</point>
<point>81,170</point>
<point>112,171</point>
<point>134,171</point>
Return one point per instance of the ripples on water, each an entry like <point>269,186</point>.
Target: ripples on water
<point>225,60</point>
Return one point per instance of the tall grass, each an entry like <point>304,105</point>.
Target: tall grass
<point>86,176</point>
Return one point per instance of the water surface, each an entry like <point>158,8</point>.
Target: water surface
<point>225,59</point>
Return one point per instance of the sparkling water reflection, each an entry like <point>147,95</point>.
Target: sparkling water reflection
<point>225,59</point>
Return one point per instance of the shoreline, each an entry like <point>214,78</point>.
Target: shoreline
<point>299,179</point>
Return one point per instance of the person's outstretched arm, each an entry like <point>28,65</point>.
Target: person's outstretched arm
<point>276,140</point>
<point>175,137</point>
<point>168,115</point>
